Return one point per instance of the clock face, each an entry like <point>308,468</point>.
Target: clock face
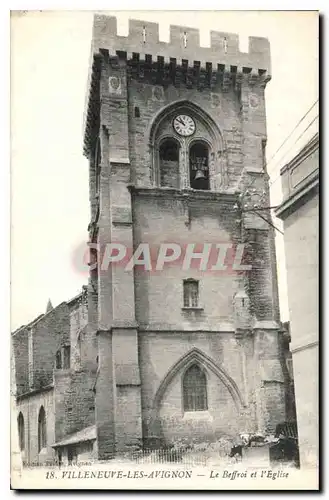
<point>184,125</point>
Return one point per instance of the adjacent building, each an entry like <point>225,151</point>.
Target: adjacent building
<point>300,212</point>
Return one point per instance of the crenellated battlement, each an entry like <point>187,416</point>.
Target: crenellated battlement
<point>184,44</point>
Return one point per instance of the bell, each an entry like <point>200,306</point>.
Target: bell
<point>199,175</point>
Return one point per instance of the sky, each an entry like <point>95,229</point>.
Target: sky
<point>49,175</point>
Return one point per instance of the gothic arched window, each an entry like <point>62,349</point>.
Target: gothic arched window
<point>199,166</point>
<point>42,429</point>
<point>169,163</point>
<point>191,293</point>
<point>21,431</point>
<point>195,389</point>
<point>58,363</point>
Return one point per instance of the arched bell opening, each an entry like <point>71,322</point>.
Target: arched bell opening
<point>169,163</point>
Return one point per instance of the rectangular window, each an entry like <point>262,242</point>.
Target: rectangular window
<point>191,293</point>
<point>67,355</point>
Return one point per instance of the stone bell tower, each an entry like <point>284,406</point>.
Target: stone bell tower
<point>175,134</point>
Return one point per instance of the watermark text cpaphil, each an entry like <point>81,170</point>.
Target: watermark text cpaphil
<point>204,257</point>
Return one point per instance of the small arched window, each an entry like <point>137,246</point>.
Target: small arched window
<point>42,429</point>
<point>169,163</point>
<point>195,389</point>
<point>21,431</point>
<point>191,293</point>
<point>199,166</point>
<point>58,362</point>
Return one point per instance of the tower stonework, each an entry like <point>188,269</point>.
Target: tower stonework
<point>175,135</point>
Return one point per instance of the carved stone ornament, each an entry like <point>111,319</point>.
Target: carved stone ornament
<point>114,85</point>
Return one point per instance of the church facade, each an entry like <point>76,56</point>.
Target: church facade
<point>175,135</point>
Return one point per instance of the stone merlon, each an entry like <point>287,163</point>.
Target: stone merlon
<point>184,44</point>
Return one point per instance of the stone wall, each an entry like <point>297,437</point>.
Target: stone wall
<point>158,292</point>
<point>162,399</point>
<point>74,401</point>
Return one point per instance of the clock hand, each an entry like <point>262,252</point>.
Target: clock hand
<point>180,121</point>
